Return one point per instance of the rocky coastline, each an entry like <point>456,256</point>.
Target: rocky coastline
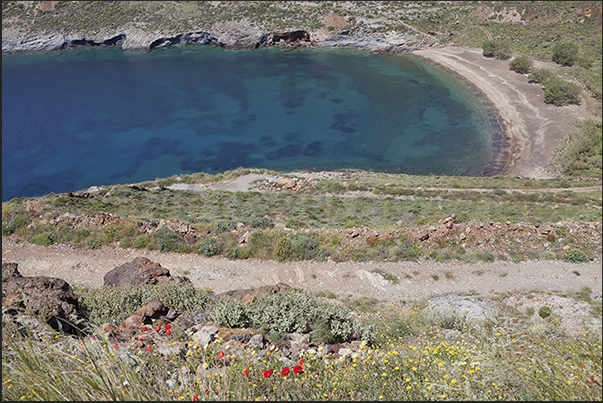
<point>227,35</point>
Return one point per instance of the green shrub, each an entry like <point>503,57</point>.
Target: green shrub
<point>521,64</point>
<point>580,152</point>
<point>497,49</point>
<point>209,247</point>
<point>102,305</point>
<point>261,222</point>
<point>167,241</point>
<point>46,239</point>
<point>544,312</point>
<point>560,92</point>
<point>221,226</point>
<point>304,246</point>
<point>541,76</point>
<point>240,252</point>
<point>295,310</point>
<point>14,224</point>
<point>6,230</point>
<point>565,53</point>
<point>230,312</point>
<point>283,250</point>
<point>262,242</point>
<point>575,256</point>
<point>141,242</point>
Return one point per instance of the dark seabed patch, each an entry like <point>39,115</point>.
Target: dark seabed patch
<point>136,116</point>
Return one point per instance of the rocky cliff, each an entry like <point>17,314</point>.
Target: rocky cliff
<point>231,36</point>
<point>54,28</point>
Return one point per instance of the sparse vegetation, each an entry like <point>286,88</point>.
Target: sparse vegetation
<point>580,152</point>
<point>220,219</point>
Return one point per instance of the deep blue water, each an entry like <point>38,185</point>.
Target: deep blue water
<point>78,118</point>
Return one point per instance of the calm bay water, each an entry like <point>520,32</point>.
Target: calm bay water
<point>78,118</point>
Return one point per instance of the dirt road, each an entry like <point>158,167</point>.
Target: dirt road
<point>82,266</point>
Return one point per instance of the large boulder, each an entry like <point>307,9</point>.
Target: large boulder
<point>140,271</point>
<point>49,298</point>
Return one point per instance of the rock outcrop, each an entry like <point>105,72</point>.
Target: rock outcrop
<point>51,299</point>
<point>140,271</point>
<point>227,34</point>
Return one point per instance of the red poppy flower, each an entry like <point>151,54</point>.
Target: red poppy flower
<point>245,372</point>
<point>267,373</point>
<point>301,362</point>
<point>168,332</point>
<point>297,369</point>
<point>195,398</point>
<point>285,371</point>
<point>115,346</point>
<point>168,326</point>
<point>157,329</point>
<point>221,354</point>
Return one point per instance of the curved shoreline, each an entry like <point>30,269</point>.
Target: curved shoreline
<point>515,133</point>
<point>532,128</point>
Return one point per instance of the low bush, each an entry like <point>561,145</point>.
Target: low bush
<point>541,76</point>
<point>168,241</point>
<point>14,224</point>
<point>304,247</point>
<point>580,152</point>
<point>220,226</point>
<point>103,305</point>
<point>565,53</point>
<point>497,49</point>
<point>283,250</point>
<point>560,92</point>
<point>209,247</point>
<point>45,239</point>
<point>575,256</point>
<point>544,312</point>
<point>521,64</point>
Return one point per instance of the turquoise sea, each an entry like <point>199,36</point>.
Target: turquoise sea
<point>77,118</point>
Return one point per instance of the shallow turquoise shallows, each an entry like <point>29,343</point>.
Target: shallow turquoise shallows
<point>78,118</point>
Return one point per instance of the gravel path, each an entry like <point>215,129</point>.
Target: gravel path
<point>82,266</point>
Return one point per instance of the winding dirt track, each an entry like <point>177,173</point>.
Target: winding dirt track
<point>82,266</point>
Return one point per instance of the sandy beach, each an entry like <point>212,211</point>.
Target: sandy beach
<point>533,128</point>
